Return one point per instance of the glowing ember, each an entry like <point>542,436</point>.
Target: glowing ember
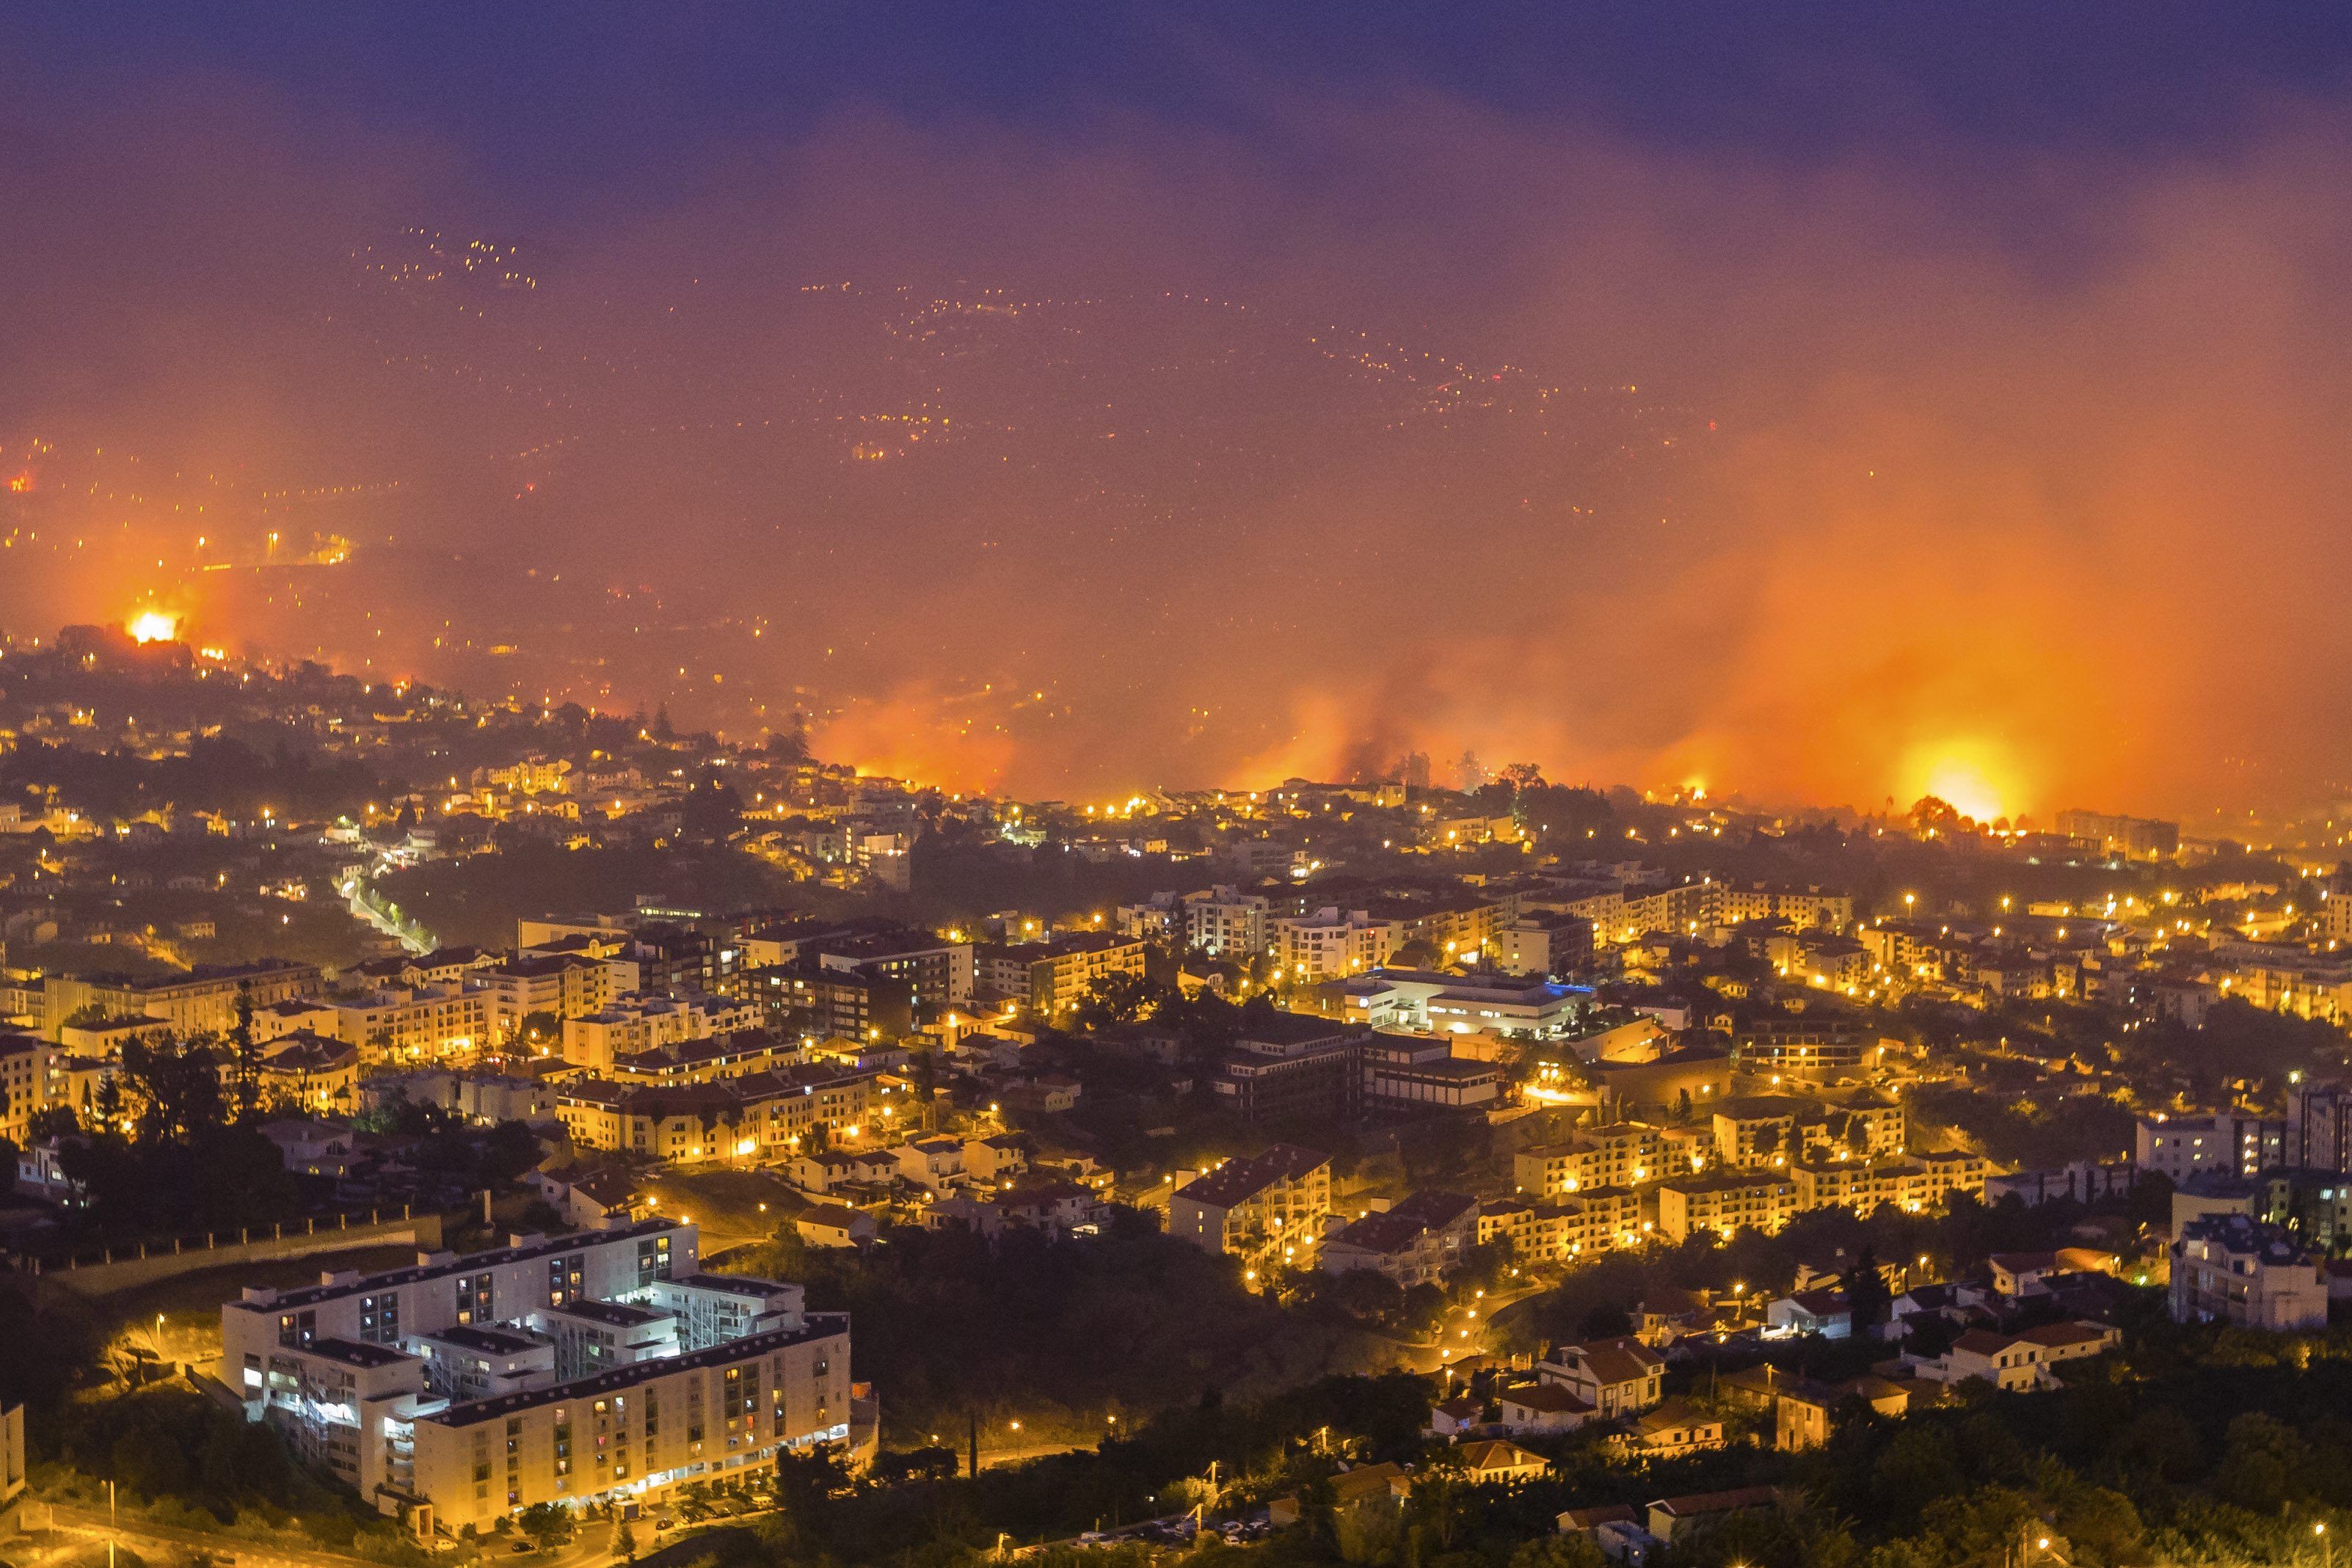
<point>154,626</point>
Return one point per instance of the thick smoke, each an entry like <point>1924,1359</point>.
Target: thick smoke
<point>1073,467</point>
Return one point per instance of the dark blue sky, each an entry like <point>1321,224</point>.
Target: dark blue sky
<point>556,103</point>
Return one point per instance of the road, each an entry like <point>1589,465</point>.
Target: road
<point>591,1544</point>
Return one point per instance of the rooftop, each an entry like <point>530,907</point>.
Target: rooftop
<point>750,1347</point>
<point>311,1295</point>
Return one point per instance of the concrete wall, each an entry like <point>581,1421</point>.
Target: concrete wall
<point>144,1266</point>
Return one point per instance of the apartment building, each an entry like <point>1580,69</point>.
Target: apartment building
<point>1267,1209</point>
<point>1225,923</point>
<point>565,987</point>
<point>24,1071</point>
<point>701,1415</point>
<point>444,1289</point>
<point>395,1026</point>
<point>1049,978</point>
<point>1327,943</point>
<point>204,1001</point>
<point>640,1022</point>
<point>1918,1184</point>
<point>1618,1155</point>
<point>1413,1243</point>
<point>1725,1204</point>
<point>757,1115</point>
<point>2226,1143</point>
<point>1545,945</point>
<point>2230,1267</point>
<point>588,1338</point>
<point>576,1370</point>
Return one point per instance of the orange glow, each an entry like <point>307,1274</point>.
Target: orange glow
<point>154,626</point>
<point>1973,776</point>
<point>19,483</point>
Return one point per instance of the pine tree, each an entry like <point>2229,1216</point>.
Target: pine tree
<point>245,1066</point>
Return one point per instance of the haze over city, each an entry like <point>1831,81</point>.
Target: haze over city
<point>1287,408</point>
<point>1178,786</point>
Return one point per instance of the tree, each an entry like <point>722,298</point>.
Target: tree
<point>625,1542</point>
<point>1867,1298</point>
<point>245,1059</point>
<point>1113,999</point>
<point>177,1084</point>
<point>546,1524</point>
<point>52,1121</point>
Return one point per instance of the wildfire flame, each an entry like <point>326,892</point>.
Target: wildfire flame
<point>154,626</point>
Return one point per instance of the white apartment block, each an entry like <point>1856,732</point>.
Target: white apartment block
<point>638,1021</point>
<point>1330,944</point>
<point>1226,922</point>
<point>573,1370</point>
<point>2221,1143</point>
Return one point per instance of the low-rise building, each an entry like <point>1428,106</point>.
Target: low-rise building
<point>2016,1362</point>
<point>1671,1430</point>
<point>1615,1376</point>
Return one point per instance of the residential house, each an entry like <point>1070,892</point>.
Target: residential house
<point>1669,1431</point>
<point>1540,1407</point>
<point>1672,1516</point>
<point>1822,1313</point>
<point>1495,1459</point>
<point>1614,1376</point>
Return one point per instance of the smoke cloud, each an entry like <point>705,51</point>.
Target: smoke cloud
<point>1079,464</point>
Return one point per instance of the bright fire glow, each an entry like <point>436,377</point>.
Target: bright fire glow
<point>1971,775</point>
<point>154,626</point>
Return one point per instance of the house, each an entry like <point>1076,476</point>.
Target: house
<point>1364,1487</point>
<point>1803,1410</point>
<point>2018,1274</point>
<point>834,1225</point>
<point>312,1148</point>
<point>1822,1312</point>
<point>822,1171</point>
<point>1495,1459</point>
<point>1671,1430</point>
<point>1616,1529</point>
<point>1679,1515</point>
<point>935,1162</point>
<point>2017,1361</point>
<point>995,1158</point>
<point>1614,1376</point>
<point>587,1199</point>
<point>1456,1416</point>
<point>1542,1407</point>
<point>874,1165</point>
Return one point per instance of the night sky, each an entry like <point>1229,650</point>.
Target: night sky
<point>1828,402</point>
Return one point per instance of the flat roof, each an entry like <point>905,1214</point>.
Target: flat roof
<point>733,1284</point>
<point>488,1340</point>
<point>311,1295</point>
<point>612,1315</point>
<point>354,1352</point>
<point>823,1325</point>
